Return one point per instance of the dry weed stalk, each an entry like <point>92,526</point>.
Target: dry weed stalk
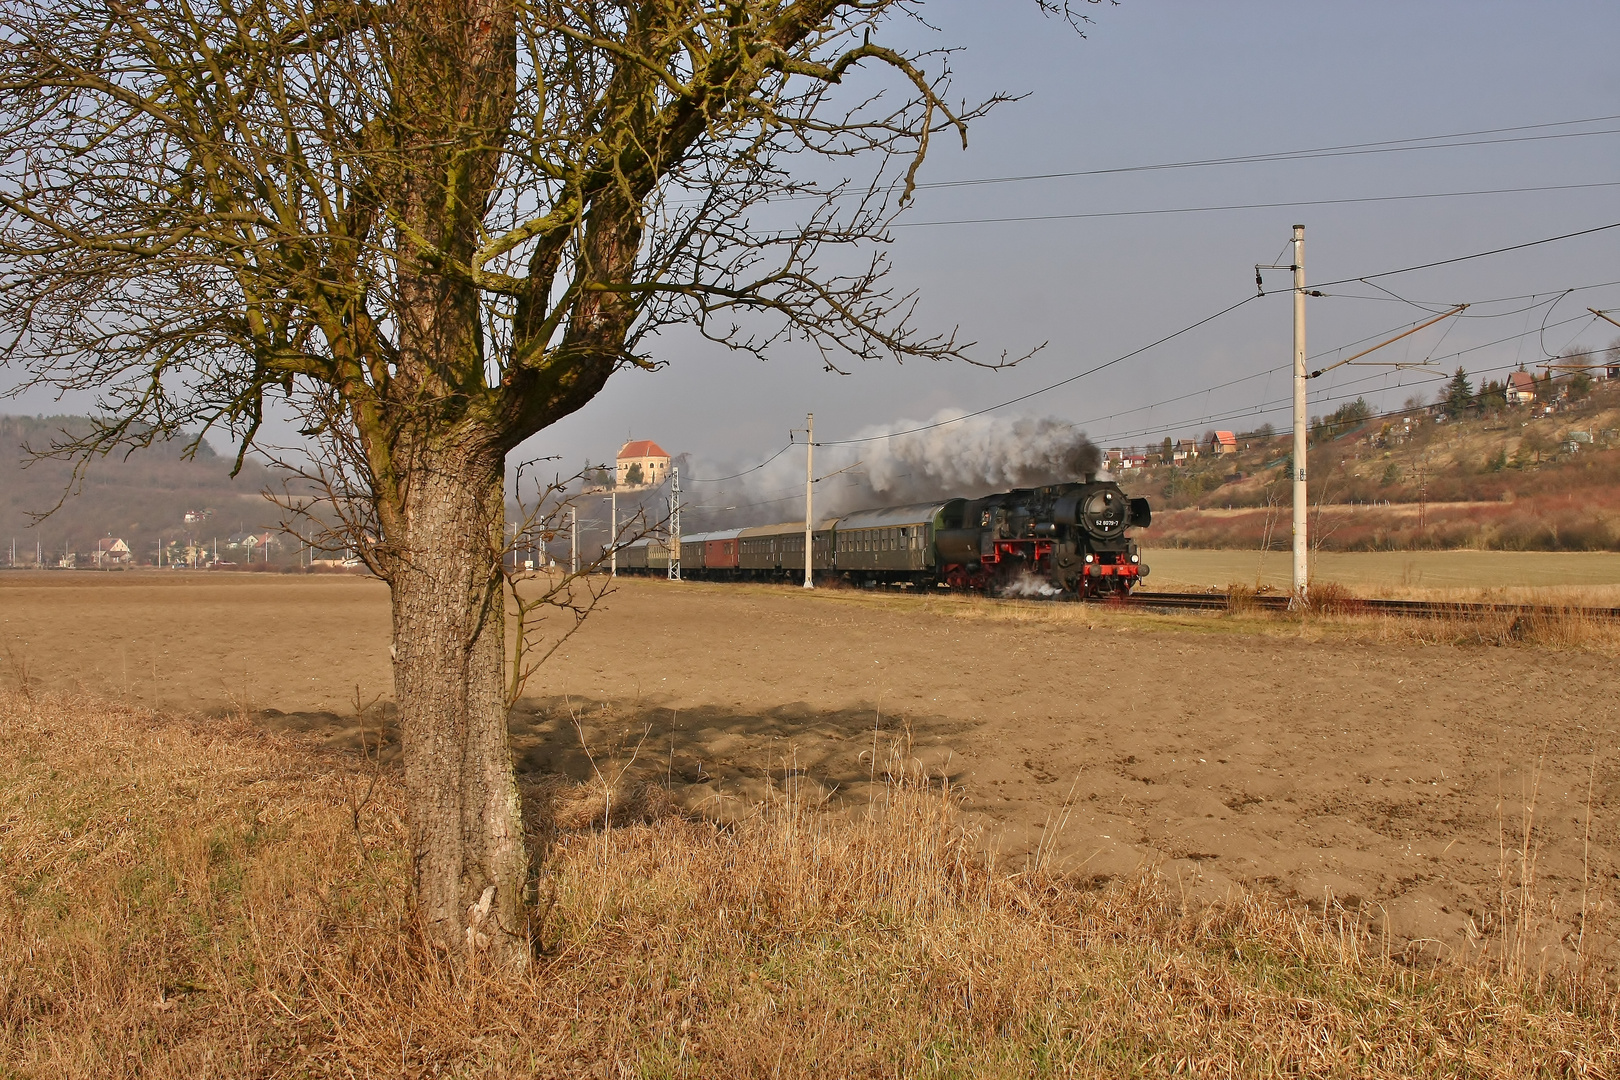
<point>17,661</point>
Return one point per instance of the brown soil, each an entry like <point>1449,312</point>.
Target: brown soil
<point>1393,775</point>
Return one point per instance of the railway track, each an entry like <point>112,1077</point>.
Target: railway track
<point>1419,609</point>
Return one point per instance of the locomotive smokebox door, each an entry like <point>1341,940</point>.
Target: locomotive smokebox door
<point>1103,513</point>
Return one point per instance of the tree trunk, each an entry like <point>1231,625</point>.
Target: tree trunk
<point>466,832</point>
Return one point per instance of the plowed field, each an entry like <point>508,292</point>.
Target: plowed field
<point>1310,760</point>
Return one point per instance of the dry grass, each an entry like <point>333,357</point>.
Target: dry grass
<point>1333,613</point>
<point>189,899</point>
<point>1570,577</point>
<point>1575,596</point>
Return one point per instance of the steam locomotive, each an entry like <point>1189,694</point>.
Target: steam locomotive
<point>1059,540</point>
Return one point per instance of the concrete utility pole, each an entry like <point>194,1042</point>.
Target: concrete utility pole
<point>573,540</point>
<point>675,523</point>
<point>1301,503</point>
<point>613,533</point>
<point>809,498</point>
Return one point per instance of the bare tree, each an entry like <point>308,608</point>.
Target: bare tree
<point>434,228</point>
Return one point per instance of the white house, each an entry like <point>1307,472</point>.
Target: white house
<point>641,463</point>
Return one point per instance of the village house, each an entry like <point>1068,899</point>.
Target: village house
<point>253,544</point>
<point>1222,442</point>
<point>1186,450</point>
<point>1521,388</point>
<point>111,553</point>
<point>641,463</point>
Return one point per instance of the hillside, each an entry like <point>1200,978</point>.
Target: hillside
<point>138,498</point>
<point>1499,478</point>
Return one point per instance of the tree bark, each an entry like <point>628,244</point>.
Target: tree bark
<point>466,829</point>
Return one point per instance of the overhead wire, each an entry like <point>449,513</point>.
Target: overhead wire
<point>1365,278</point>
<point>745,472</point>
<point>1434,306</point>
<point>1248,206</point>
<point>1552,298</point>
<point>1422,375</point>
<point>1381,146</point>
<point>1425,375</point>
<point>1201,322</point>
<point>1033,393</point>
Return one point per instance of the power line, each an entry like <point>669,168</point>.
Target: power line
<point>1246,206</point>
<point>1201,322</point>
<point>1426,375</point>
<point>1342,150</point>
<point>1552,298</point>
<point>1382,146</point>
<point>745,472</point>
<point>1337,393</point>
<point>1432,306</point>
<point>1044,389</point>
<point>1465,258</point>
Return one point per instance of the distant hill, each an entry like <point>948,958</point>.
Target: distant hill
<point>137,498</point>
<point>1505,478</point>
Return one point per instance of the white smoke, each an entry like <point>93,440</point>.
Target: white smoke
<point>1030,587</point>
<point>954,456</point>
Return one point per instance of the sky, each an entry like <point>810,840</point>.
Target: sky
<point>1155,82</point>
<point>1164,81</point>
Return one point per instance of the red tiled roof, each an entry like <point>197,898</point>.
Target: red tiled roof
<point>642,448</point>
<point>1522,381</point>
<point>1226,438</point>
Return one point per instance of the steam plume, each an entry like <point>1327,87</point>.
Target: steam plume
<point>970,457</point>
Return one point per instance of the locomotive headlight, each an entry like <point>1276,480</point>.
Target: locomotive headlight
<point>1136,558</point>
<point>1091,558</point>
